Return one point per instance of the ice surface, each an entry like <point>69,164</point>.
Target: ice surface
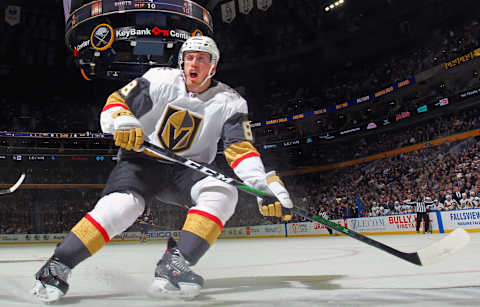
<point>313,271</point>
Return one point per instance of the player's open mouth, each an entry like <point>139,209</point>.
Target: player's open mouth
<point>193,75</point>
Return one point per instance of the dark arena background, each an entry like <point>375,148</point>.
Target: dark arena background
<point>363,107</point>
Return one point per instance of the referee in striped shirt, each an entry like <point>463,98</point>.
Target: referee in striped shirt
<point>421,210</point>
<point>323,213</point>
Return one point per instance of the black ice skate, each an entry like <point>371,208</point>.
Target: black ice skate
<point>173,277</point>
<point>51,281</point>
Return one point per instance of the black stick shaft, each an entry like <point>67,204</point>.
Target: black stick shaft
<point>208,170</point>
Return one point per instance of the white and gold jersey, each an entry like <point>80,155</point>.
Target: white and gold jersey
<point>451,204</point>
<point>440,206</point>
<point>186,123</point>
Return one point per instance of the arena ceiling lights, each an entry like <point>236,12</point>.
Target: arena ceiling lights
<point>334,5</point>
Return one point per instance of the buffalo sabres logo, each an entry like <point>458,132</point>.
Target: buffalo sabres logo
<point>178,129</point>
<point>102,37</point>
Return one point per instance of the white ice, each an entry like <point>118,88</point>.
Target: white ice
<point>310,271</point>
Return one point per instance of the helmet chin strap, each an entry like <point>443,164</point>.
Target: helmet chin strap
<point>210,75</point>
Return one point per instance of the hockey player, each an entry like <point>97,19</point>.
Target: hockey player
<point>187,112</point>
<point>145,221</point>
<point>408,204</point>
<point>465,202</point>
<point>472,200</point>
<point>450,203</point>
<point>475,199</point>
<point>438,206</point>
<point>397,207</point>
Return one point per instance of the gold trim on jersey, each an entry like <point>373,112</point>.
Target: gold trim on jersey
<point>115,98</point>
<point>122,113</point>
<point>274,179</point>
<point>203,227</point>
<point>178,129</point>
<point>238,150</point>
<point>89,235</point>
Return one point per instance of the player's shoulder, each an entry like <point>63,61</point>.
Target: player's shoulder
<point>228,91</point>
<point>163,75</point>
<point>229,95</point>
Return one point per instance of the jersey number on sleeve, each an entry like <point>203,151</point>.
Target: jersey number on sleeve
<point>247,130</point>
<point>128,88</point>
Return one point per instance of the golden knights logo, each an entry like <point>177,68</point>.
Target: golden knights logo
<point>178,129</point>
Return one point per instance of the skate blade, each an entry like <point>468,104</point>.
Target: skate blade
<point>46,293</point>
<point>162,288</point>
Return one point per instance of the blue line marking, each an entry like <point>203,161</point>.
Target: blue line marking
<point>440,223</point>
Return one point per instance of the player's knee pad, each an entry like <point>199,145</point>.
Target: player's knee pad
<point>116,211</point>
<point>215,197</point>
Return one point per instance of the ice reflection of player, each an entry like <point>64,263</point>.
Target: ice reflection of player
<point>145,220</point>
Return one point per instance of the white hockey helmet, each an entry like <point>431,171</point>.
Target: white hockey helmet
<point>200,43</point>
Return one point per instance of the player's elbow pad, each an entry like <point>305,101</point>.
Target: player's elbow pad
<point>107,122</point>
<point>252,172</point>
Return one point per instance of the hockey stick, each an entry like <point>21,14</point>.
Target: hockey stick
<point>151,225</point>
<point>450,244</point>
<point>13,187</point>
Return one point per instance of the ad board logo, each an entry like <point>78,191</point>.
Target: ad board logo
<point>80,46</point>
<point>126,33</point>
<point>102,37</point>
<point>123,4</point>
<point>96,8</point>
<point>299,228</point>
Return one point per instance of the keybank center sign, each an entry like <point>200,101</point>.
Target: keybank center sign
<point>126,33</point>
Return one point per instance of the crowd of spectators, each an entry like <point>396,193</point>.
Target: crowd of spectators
<point>386,186</point>
<point>16,214</point>
<point>47,210</point>
<point>54,114</point>
<point>435,172</point>
<point>392,185</point>
<point>291,91</point>
<point>44,210</point>
<point>299,92</point>
<point>58,172</point>
<point>383,187</point>
<point>440,126</point>
<point>356,147</point>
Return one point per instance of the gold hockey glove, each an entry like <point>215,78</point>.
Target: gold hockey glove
<point>280,208</point>
<point>128,131</point>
